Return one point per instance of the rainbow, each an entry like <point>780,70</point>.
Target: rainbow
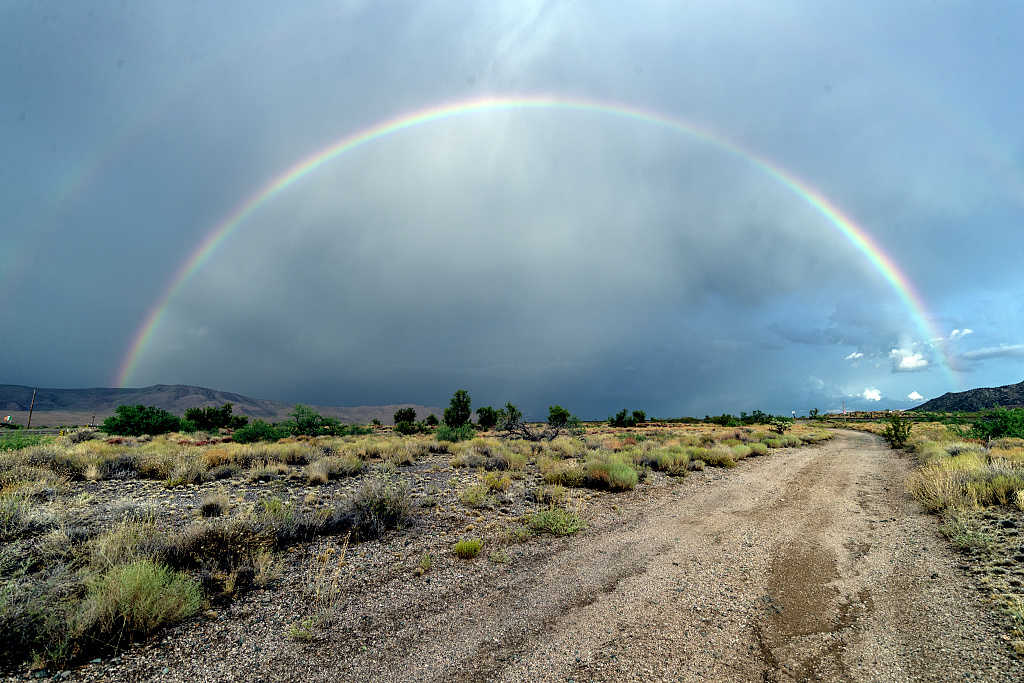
<point>855,235</point>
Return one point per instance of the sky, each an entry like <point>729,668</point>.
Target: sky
<point>688,208</point>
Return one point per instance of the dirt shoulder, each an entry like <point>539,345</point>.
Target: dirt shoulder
<point>811,564</point>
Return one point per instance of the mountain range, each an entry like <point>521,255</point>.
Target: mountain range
<point>973,400</point>
<point>56,407</point>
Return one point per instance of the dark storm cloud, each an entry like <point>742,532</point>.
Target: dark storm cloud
<point>537,256</point>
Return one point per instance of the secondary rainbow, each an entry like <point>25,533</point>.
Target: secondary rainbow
<point>857,236</point>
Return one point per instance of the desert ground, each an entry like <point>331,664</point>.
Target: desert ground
<point>809,564</point>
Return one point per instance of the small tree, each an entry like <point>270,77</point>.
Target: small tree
<point>897,432</point>
<point>405,415</point>
<point>459,411</point>
<point>487,417</point>
<point>431,420</point>
<point>813,413</point>
<point>307,421</point>
<point>558,417</point>
<point>624,418</point>
<point>138,419</point>
<point>258,430</point>
<point>210,418</point>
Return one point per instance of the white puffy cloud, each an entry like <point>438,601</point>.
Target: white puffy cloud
<point>906,360</point>
<point>957,334</point>
<point>914,396</point>
<point>871,394</point>
<point>855,355</point>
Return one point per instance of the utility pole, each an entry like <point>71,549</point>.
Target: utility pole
<point>30,407</point>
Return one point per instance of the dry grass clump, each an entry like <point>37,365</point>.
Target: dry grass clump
<point>556,521</point>
<point>715,456</point>
<point>562,472</point>
<point>133,600</point>
<point>965,476</point>
<point>609,472</point>
<point>334,467</point>
<point>476,495</point>
<point>215,504</point>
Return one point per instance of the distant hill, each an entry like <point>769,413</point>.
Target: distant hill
<point>56,407</point>
<point>1009,396</point>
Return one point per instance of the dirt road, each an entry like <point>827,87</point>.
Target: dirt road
<point>812,564</point>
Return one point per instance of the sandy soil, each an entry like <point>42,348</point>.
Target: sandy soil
<point>811,564</point>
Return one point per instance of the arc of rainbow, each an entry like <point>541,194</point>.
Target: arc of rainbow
<point>855,235</point>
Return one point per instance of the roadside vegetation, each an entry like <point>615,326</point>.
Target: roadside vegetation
<point>108,536</point>
<point>970,472</point>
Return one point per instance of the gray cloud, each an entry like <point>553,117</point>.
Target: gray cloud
<point>538,256</point>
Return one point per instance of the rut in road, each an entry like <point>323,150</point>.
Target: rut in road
<point>812,564</point>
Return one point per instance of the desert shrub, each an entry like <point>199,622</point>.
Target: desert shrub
<point>564,473</point>
<point>792,441</point>
<point>380,504</point>
<point>757,448</point>
<point>257,431</point>
<point>555,521</point>
<point>468,458</point>
<point>715,456</point>
<point>897,432</point>
<point>453,434</point>
<point>775,443</point>
<point>497,482</point>
<point>82,435</point>
<point>18,518</point>
<point>189,469</point>
<point>468,548</point>
<point>138,419</point>
<point>603,472</point>
<point>267,470</point>
<point>566,447</point>
<point>334,467</point>
<point>999,423</point>
<point>475,495</point>
<point>506,459</point>
<point>15,441</point>
<point>226,471</point>
<point>214,504</point>
<point>135,599</point>
<point>552,494</point>
<point>34,618</point>
<point>740,451</point>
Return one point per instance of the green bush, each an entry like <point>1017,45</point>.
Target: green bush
<point>13,441</point>
<point>139,419</point>
<point>463,433</point>
<point>487,417</point>
<point>999,423</point>
<point>209,419</point>
<point>258,430</point>
<point>624,418</point>
<point>405,415</point>
<point>897,432</point>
